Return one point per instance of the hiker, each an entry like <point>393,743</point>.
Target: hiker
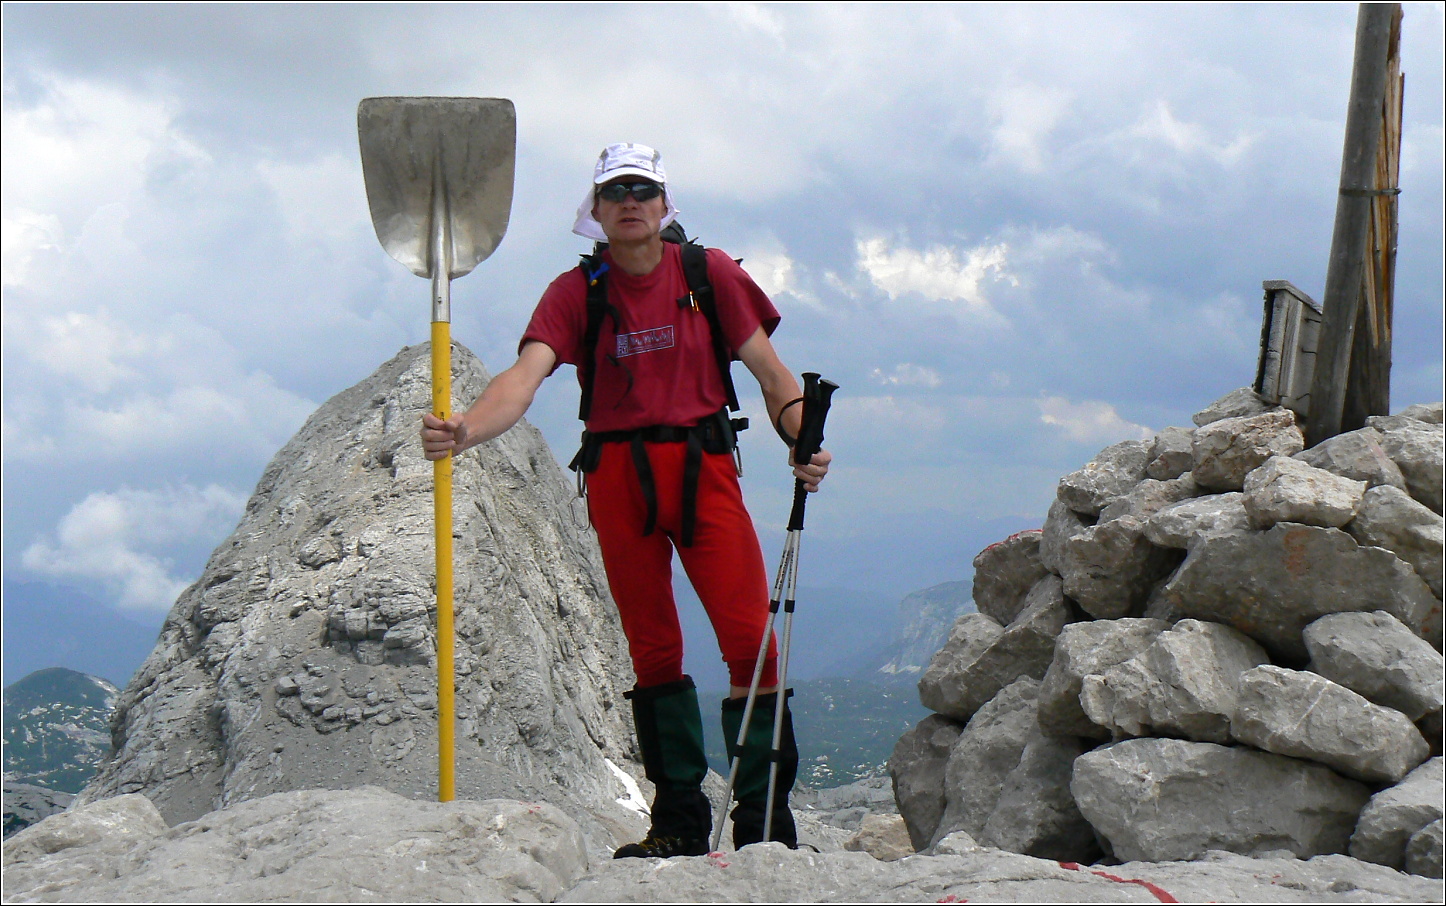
<point>658,462</point>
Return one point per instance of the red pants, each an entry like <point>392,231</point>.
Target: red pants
<point>724,563</point>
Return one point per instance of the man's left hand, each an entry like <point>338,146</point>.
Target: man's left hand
<point>814,472</point>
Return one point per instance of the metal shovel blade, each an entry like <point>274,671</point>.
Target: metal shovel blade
<point>417,152</point>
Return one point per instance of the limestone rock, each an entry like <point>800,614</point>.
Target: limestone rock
<point>1424,851</point>
<point>1035,813</point>
<point>1357,455</point>
<point>1395,814</point>
<point>1272,584</point>
<point>303,656</point>
<point>926,616</point>
<point>1304,715</point>
<point>1113,472</point>
<point>1184,684</point>
<point>917,770</point>
<point>1288,490</point>
<point>958,843</point>
<point>981,657</point>
<point>1150,496</point>
<point>118,823</point>
<point>983,756</point>
<point>1167,799</point>
<point>1390,518</point>
<point>1005,572</point>
<point>885,837</point>
<point>1425,412</point>
<point>1226,451</point>
<point>328,846</point>
<point>1171,455</point>
<point>1375,656</point>
<point>1061,524</point>
<point>1109,568</point>
<point>1182,524</point>
<point>1417,447</point>
<point>1240,403</point>
<point>1080,650</point>
<point>27,804</point>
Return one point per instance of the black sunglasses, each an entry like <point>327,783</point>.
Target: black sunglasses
<point>641,191</point>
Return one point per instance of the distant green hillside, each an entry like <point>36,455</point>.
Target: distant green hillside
<point>846,728</point>
<point>57,728</point>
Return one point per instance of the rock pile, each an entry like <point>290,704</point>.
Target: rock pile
<point>1219,641</point>
<point>303,656</point>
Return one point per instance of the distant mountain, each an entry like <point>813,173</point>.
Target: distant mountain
<point>57,730</point>
<point>54,624</point>
<point>926,617</point>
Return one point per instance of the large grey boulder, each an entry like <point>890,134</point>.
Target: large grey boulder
<point>1180,525</point>
<point>1113,472</point>
<point>1240,403</point>
<point>1426,412</point>
<point>1005,572</point>
<point>1356,455</point>
<point>1150,496</point>
<point>303,657</point>
<point>1424,851</point>
<point>916,768</point>
<point>1007,784</point>
<point>1082,649</point>
<point>1304,715</point>
<point>1110,568</point>
<point>322,846</point>
<point>1060,524</point>
<point>1374,655</point>
<point>1390,518</point>
<point>1272,584</point>
<point>983,756</point>
<point>1167,799</point>
<point>1417,448</point>
<point>1184,684</point>
<point>121,822</point>
<point>1171,455</point>
<point>1285,489</point>
<point>1035,813</point>
<point>981,657</point>
<point>1227,450</point>
<point>1395,814</point>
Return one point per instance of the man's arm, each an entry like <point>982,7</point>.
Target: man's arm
<point>500,406</point>
<point>779,386</point>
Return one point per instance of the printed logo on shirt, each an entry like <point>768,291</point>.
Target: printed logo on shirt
<point>645,341</point>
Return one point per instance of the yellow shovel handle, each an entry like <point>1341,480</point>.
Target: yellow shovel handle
<point>442,503</point>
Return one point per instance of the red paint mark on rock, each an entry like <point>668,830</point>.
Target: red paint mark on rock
<point>951,898</point>
<point>716,858</point>
<point>1160,893</point>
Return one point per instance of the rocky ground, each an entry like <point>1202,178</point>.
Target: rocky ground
<point>370,845</point>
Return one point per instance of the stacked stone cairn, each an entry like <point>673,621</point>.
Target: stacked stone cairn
<point>1220,640</point>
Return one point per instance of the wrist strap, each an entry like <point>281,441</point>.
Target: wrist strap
<point>778,422</point>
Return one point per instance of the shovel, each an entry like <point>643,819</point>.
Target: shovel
<point>438,174</point>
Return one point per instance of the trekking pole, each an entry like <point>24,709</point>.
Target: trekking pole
<point>817,395</point>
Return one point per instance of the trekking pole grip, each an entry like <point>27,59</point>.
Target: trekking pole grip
<point>817,397</point>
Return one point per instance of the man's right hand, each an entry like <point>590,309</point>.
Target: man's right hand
<point>442,438</point>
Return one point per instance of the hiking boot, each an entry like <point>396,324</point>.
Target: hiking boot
<point>751,788</point>
<point>670,736</point>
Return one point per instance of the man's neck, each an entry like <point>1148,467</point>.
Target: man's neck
<point>638,258</point>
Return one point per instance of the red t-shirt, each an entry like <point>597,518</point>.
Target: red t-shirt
<point>655,367</point>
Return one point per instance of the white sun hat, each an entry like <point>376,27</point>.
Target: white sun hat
<point>623,159</point>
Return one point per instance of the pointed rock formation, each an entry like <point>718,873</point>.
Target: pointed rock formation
<point>303,657</point>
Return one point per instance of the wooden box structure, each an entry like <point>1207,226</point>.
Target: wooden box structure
<point>1289,333</point>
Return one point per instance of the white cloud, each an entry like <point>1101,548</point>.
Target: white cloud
<point>776,273</point>
<point>115,537</point>
<point>25,235</point>
<point>884,414</point>
<point>323,200</point>
<point>1024,115</point>
<point>1089,421</point>
<point>754,17</point>
<point>1161,126</point>
<point>939,272</point>
<point>907,375</point>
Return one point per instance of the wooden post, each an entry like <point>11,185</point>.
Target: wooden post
<point>1368,389</point>
<point>1376,25</point>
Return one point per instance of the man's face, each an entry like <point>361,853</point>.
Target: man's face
<point>629,220</point>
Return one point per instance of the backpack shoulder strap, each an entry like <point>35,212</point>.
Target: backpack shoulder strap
<point>594,270</point>
<point>695,271</point>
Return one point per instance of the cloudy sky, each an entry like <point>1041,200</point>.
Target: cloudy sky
<point>1013,234</point>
